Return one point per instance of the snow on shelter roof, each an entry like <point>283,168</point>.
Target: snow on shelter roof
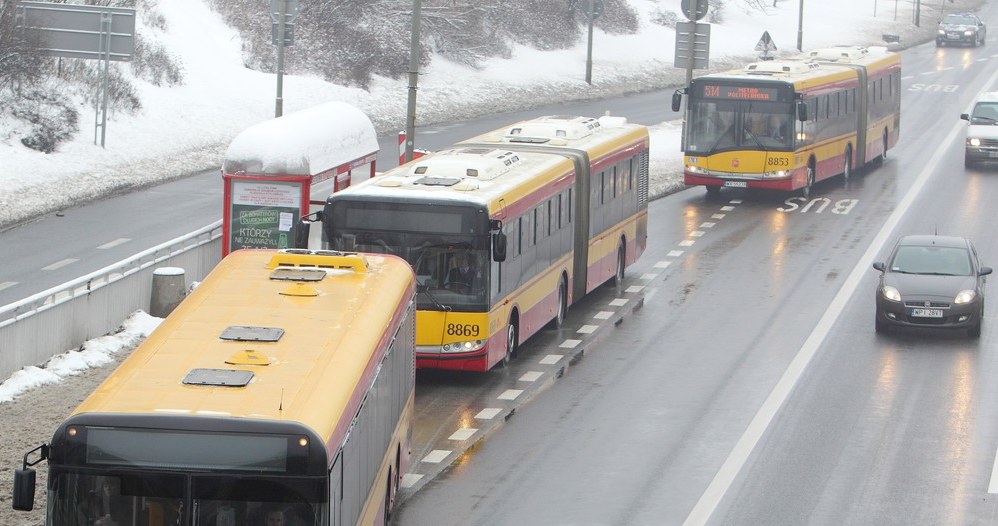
<point>306,142</point>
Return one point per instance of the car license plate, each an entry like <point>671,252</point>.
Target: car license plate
<point>927,313</point>
<point>735,184</point>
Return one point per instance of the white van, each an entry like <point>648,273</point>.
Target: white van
<point>982,130</point>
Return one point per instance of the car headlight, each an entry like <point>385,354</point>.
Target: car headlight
<point>942,31</point>
<point>890,293</point>
<point>965,296</point>
<point>969,32</point>
<point>974,141</point>
<point>469,346</point>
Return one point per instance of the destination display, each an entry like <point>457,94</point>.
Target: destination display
<point>715,91</point>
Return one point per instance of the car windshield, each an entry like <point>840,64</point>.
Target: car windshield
<point>958,20</point>
<point>985,113</point>
<point>942,261</point>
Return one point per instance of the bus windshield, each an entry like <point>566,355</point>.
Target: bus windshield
<point>723,125</point>
<point>158,499</point>
<point>447,247</point>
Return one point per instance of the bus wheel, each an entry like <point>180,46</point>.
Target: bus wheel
<point>510,343</point>
<point>847,168</point>
<point>618,277</point>
<point>559,317</point>
<point>806,191</point>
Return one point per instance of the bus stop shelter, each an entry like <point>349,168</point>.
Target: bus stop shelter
<point>272,169</point>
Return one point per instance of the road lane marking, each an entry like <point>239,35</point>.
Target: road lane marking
<point>552,359</point>
<point>648,276</point>
<point>603,315</point>
<point>116,242</point>
<point>634,289</point>
<point>410,479</point>
<point>675,253</point>
<point>436,456</point>
<point>7,284</point>
<point>993,486</point>
<point>488,413</point>
<point>662,264</point>
<point>727,208</point>
<point>567,344</point>
<point>619,302</point>
<point>722,481</point>
<point>463,434</point>
<point>718,216</point>
<point>687,243</point>
<point>510,394</point>
<point>60,264</point>
<point>587,329</point>
<point>531,376</point>
<point>708,224</point>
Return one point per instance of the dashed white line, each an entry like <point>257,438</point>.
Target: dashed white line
<point>727,208</point>
<point>463,434</point>
<point>619,302</point>
<point>552,359</point>
<point>587,329</point>
<point>7,284</point>
<point>568,344</point>
<point>634,288</point>
<point>510,394</point>
<point>711,225</point>
<point>718,216</point>
<point>116,242</point>
<point>735,201</point>
<point>436,456</point>
<point>686,243</point>
<point>60,264</point>
<point>531,376</point>
<point>993,486</point>
<point>649,276</point>
<point>410,479</point>
<point>662,264</point>
<point>488,413</point>
<point>697,233</point>
<point>676,253</point>
<point>923,74</point>
<point>603,315</point>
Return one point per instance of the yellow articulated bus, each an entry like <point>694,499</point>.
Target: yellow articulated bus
<point>281,387</point>
<point>504,231</point>
<point>786,124</point>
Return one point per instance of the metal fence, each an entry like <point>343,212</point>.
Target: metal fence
<point>52,322</point>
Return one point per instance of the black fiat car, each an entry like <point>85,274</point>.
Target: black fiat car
<point>931,281</point>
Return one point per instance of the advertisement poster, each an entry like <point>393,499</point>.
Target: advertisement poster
<point>263,214</point>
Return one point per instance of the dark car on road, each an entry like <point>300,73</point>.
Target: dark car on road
<point>931,281</point>
<point>961,28</point>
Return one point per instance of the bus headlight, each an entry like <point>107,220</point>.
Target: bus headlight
<point>778,174</point>
<point>469,346</point>
<point>696,170</point>
<point>974,141</point>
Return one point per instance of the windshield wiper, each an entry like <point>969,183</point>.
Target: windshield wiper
<point>425,289</point>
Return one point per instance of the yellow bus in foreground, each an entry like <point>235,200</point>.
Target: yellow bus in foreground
<point>787,124</point>
<point>505,230</point>
<point>281,387</point>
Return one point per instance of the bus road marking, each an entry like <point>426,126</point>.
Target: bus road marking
<point>510,394</point>
<point>781,392</point>
<point>60,264</point>
<point>675,253</point>
<point>552,359</point>
<point>662,264</point>
<point>619,302</point>
<point>531,376</point>
<point>463,434</point>
<point>112,244</point>
<point>7,284</point>
<point>993,485</point>
<point>603,315</point>
<point>687,243</point>
<point>436,456</point>
<point>488,413</point>
<point>568,344</point>
<point>410,479</point>
<point>587,329</point>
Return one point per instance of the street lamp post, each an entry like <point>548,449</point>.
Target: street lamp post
<point>410,121</point>
<point>800,26</point>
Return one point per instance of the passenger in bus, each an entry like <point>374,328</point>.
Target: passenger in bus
<point>108,507</point>
<point>778,127</point>
<point>464,276</point>
<point>274,517</point>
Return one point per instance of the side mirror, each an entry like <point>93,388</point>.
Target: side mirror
<point>24,489</point>
<point>965,116</point>
<point>303,227</point>
<point>879,266</point>
<point>801,111</point>
<point>499,247</point>
<point>677,99</point>
<point>984,271</point>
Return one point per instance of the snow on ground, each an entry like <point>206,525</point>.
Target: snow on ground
<point>187,129</point>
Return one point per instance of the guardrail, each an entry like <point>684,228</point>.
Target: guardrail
<point>51,322</point>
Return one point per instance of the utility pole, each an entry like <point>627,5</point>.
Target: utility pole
<point>589,47</point>
<point>410,120</point>
<point>279,103</point>
<point>800,26</point>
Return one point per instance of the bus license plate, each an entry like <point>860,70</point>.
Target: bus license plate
<point>927,313</point>
<point>735,184</point>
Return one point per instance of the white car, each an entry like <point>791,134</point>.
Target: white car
<point>982,130</point>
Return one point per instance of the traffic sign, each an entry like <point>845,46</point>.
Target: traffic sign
<point>692,45</point>
<point>694,9</point>
<point>289,34</point>
<point>766,43</point>
<point>290,10</point>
